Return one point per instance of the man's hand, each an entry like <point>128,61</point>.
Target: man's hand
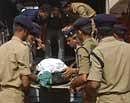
<point>66,28</point>
<point>69,72</point>
<point>78,81</point>
<point>40,43</point>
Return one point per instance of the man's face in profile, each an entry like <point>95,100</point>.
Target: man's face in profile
<point>72,41</point>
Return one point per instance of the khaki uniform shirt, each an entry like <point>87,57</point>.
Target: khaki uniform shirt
<point>30,52</point>
<point>14,61</point>
<point>83,10</point>
<point>83,56</point>
<point>115,75</point>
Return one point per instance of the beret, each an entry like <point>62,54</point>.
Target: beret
<point>36,31</point>
<point>23,21</point>
<point>31,13</point>
<point>105,20</point>
<point>83,21</point>
<point>84,24</point>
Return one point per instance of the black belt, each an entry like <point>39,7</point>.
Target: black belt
<point>8,86</point>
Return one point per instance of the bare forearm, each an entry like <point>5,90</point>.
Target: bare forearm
<point>25,83</point>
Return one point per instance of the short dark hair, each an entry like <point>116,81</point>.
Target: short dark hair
<point>105,31</point>
<point>18,27</point>
<point>120,30</point>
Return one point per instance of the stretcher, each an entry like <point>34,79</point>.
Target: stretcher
<point>55,94</point>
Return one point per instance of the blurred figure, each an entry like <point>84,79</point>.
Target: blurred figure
<point>54,36</point>
<point>84,32</point>
<point>71,39</point>
<point>39,16</point>
<point>73,42</point>
<point>15,71</point>
<point>81,9</point>
<point>109,75</point>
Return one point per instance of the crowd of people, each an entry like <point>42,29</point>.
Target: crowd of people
<point>100,73</point>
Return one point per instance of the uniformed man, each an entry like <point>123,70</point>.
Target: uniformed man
<point>73,42</point>
<point>83,27</point>
<point>81,9</point>
<point>82,30</point>
<point>110,70</point>
<point>14,63</point>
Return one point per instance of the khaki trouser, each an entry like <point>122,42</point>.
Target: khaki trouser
<point>11,95</point>
<point>114,98</point>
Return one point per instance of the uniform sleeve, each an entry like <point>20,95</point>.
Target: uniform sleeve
<point>85,11</point>
<point>23,61</point>
<point>96,70</point>
<point>84,61</point>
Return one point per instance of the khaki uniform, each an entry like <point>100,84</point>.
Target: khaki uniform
<point>30,52</point>
<point>83,59</point>
<point>83,10</point>
<point>14,61</point>
<point>114,77</point>
<point>83,55</point>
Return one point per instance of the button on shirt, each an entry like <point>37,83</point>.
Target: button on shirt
<point>115,75</point>
<point>14,61</point>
